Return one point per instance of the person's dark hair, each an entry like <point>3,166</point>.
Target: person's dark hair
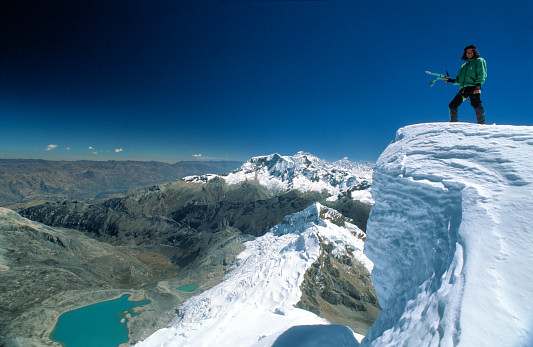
<point>476,53</point>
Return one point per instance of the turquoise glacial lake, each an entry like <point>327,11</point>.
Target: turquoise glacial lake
<point>189,288</point>
<point>96,325</point>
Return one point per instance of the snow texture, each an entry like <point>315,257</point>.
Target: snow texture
<point>254,305</point>
<point>450,237</point>
<point>303,172</point>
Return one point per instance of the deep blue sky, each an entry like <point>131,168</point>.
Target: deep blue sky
<point>169,79</point>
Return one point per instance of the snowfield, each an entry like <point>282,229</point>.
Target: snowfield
<point>451,239</point>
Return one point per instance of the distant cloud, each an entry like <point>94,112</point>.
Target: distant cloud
<point>50,147</point>
<point>197,155</point>
<point>95,153</point>
<point>68,148</point>
<point>117,150</point>
<point>91,147</point>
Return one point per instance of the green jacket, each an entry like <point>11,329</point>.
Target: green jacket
<point>472,73</point>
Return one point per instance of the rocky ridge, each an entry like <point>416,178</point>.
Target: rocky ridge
<point>179,218</point>
<point>267,280</point>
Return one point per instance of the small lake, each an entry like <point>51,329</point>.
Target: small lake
<point>102,324</point>
<point>189,288</point>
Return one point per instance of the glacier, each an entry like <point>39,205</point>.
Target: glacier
<point>254,305</point>
<point>450,237</point>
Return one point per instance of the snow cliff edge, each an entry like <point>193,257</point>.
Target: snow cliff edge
<point>449,236</point>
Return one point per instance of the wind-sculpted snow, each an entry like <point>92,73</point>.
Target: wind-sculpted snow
<point>303,172</point>
<point>450,237</point>
<point>255,302</point>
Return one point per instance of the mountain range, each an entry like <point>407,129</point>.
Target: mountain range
<point>199,226</point>
<point>303,172</point>
<point>26,181</point>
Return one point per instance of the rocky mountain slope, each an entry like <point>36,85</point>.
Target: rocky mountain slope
<point>39,263</point>
<point>46,271</point>
<point>180,217</point>
<point>22,181</point>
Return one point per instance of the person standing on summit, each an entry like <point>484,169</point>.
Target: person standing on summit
<point>470,78</point>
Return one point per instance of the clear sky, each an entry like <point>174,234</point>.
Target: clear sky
<point>171,80</point>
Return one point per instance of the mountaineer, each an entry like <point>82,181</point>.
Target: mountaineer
<point>470,78</point>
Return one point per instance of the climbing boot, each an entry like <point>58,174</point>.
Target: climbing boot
<point>454,115</point>
<point>480,115</point>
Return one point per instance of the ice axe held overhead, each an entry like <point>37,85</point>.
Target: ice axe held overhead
<point>439,77</point>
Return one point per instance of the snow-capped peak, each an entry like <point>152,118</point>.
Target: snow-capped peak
<point>304,172</point>
<point>299,221</point>
<point>330,225</point>
<point>317,214</point>
<point>284,167</point>
<point>263,287</point>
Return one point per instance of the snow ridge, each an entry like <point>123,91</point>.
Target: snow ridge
<point>255,303</point>
<point>449,235</point>
<point>304,172</point>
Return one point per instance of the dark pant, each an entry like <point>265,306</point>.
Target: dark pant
<point>475,101</point>
<point>465,93</point>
